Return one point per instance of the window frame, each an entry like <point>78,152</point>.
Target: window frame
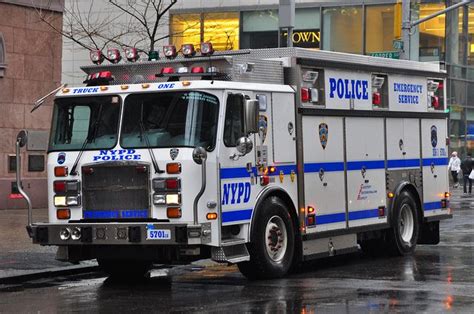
<point>226,144</point>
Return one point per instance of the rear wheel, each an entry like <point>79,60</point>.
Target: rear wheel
<point>124,268</point>
<point>403,236</point>
<point>272,242</point>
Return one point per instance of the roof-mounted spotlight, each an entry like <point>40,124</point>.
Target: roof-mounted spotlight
<point>170,52</point>
<point>97,57</point>
<point>113,54</point>
<point>188,50</point>
<point>206,49</point>
<point>131,54</point>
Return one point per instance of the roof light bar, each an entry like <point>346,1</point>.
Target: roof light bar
<point>188,50</point>
<point>113,55</point>
<point>131,54</point>
<point>207,49</point>
<point>96,56</point>
<point>170,52</point>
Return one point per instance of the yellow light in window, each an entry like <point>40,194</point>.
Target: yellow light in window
<point>472,48</point>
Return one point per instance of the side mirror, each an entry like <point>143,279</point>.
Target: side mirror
<point>199,155</point>
<point>251,109</point>
<point>22,138</point>
<point>244,145</point>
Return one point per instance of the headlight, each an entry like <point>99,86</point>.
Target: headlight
<point>65,234</point>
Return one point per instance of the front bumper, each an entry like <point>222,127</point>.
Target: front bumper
<point>121,234</point>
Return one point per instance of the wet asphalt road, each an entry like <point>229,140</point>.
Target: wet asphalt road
<point>436,279</point>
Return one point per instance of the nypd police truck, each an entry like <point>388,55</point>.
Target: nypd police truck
<point>262,158</point>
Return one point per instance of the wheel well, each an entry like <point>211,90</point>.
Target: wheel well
<point>288,202</point>
<point>416,197</point>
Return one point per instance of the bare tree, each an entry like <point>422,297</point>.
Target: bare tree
<point>96,27</point>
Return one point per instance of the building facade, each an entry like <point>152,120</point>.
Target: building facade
<point>30,66</point>
<point>369,27</point>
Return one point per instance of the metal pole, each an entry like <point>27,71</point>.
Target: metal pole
<point>406,28</point>
<point>18,183</point>
<point>289,39</point>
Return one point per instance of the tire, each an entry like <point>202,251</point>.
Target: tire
<point>124,268</point>
<point>272,242</point>
<point>403,235</point>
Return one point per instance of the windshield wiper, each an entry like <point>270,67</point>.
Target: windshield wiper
<point>90,137</point>
<point>147,141</point>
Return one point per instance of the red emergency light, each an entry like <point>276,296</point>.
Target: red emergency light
<point>97,57</point>
<point>170,52</point>
<point>113,55</point>
<point>131,54</point>
<point>188,50</point>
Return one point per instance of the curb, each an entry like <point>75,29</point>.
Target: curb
<point>48,273</point>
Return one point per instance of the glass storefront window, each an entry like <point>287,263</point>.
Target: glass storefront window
<point>342,27</point>
<point>185,29</point>
<point>379,28</point>
<point>260,29</point>
<point>431,32</point>
<point>222,29</point>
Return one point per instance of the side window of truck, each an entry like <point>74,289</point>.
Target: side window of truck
<point>234,117</point>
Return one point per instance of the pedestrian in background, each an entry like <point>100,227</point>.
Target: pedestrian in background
<point>466,167</point>
<point>455,167</point>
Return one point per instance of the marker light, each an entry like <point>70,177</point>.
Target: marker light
<point>197,70</point>
<point>173,199</point>
<point>170,52</point>
<point>447,194</point>
<point>167,70</point>
<point>381,211</point>
<point>173,168</point>
<point>272,169</point>
<point>159,199</point>
<point>113,54</point>
<point>376,99</point>
<point>97,57</point>
<point>131,54</point>
<point>211,216</point>
<point>173,212</point>
<point>59,201</point>
<point>59,186</point>
<point>390,195</point>
<point>264,180</point>
<point>206,49</point>
<point>63,213</point>
<point>188,50</point>
<point>173,184</point>
<point>73,200</point>
<point>60,171</point>
<point>310,209</point>
<point>311,220</point>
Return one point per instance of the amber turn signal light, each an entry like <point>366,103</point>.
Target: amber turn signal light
<point>63,213</point>
<point>173,212</point>
<point>211,216</point>
<point>173,168</point>
<point>60,171</point>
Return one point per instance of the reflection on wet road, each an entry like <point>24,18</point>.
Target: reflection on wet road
<point>436,279</point>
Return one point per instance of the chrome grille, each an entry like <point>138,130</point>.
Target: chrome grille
<point>116,190</point>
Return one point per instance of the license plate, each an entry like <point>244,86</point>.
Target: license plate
<point>158,234</point>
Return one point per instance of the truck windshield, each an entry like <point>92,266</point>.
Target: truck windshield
<point>171,119</point>
<point>81,119</point>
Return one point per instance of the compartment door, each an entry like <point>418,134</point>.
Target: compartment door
<point>365,170</point>
<point>324,171</point>
<point>435,165</point>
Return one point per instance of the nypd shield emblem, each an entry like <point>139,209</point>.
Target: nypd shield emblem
<point>434,136</point>
<point>323,134</point>
<point>174,153</point>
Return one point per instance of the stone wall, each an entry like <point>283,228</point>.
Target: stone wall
<point>33,68</point>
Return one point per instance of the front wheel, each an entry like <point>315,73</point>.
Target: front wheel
<point>272,242</point>
<point>403,236</point>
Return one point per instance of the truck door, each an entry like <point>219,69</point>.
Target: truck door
<point>435,160</point>
<point>324,171</point>
<point>236,172</point>
<point>365,170</point>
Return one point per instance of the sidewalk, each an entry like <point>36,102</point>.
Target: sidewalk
<point>18,256</point>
